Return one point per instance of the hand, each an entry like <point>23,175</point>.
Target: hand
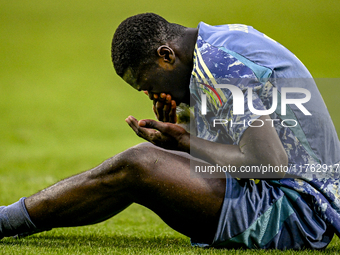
<point>165,135</point>
<point>164,107</point>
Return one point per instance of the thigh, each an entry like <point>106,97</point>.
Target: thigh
<point>185,200</point>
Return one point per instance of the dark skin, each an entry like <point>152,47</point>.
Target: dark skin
<point>257,145</point>
<point>155,178</point>
<point>158,177</point>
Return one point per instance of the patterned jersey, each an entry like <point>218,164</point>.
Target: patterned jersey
<point>241,56</point>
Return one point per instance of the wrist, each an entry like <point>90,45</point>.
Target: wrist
<point>184,142</point>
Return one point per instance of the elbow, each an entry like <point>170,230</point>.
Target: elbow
<point>278,157</point>
<point>277,161</point>
<point>272,164</point>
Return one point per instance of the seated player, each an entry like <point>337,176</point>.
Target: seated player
<point>289,207</point>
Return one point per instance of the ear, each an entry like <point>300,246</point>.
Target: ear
<point>166,53</point>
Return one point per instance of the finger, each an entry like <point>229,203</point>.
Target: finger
<point>155,112</point>
<point>172,114</point>
<point>142,123</point>
<point>133,123</point>
<point>150,95</point>
<point>162,97</point>
<point>153,96</point>
<point>159,109</point>
<point>166,111</point>
<point>147,123</point>
<point>144,133</point>
<point>131,118</point>
<point>155,109</point>
<point>168,99</point>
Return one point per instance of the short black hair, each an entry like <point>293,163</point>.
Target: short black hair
<point>137,38</point>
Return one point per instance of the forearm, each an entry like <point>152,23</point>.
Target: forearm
<point>240,157</point>
<point>216,153</point>
<point>258,146</point>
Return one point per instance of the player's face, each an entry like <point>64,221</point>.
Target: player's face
<point>155,79</point>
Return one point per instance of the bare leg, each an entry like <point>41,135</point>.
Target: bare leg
<point>144,174</point>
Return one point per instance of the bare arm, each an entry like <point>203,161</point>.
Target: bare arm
<point>258,145</point>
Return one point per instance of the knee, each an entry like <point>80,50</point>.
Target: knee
<point>140,157</point>
<point>130,164</point>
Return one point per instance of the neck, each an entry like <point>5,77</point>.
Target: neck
<point>187,45</point>
<point>184,47</point>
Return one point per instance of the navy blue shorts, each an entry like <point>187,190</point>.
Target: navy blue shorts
<point>263,215</point>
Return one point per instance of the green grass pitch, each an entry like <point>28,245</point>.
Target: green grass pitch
<point>62,107</point>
